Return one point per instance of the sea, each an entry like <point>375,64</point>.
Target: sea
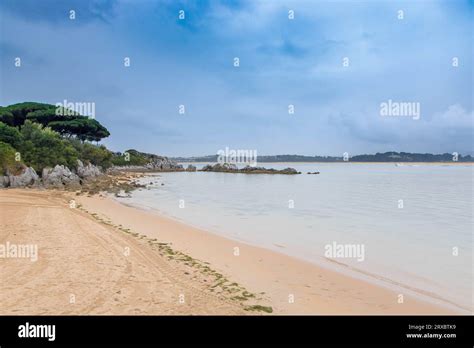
<point>404,226</point>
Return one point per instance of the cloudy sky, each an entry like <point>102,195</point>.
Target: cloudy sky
<point>403,56</point>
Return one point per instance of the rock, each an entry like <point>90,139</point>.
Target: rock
<point>229,166</point>
<point>27,178</point>
<point>232,168</point>
<point>156,164</point>
<point>123,194</point>
<point>59,177</point>
<point>206,168</point>
<point>88,171</point>
<point>162,163</point>
<point>4,181</point>
<point>289,171</point>
<point>191,168</point>
<point>218,167</point>
<point>313,173</point>
<point>249,169</point>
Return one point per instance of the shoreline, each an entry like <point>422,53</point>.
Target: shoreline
<point>169,255</point>
<point>323,262</point>
<point>193,240</point>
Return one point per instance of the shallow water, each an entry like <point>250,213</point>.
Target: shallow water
<point>347,203</point>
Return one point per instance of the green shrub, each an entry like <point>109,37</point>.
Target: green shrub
<point>6,116</point>
<point>8,163</point>
<point>98,155</point>
<point>10,135</point>
<point>43,147</point>
<point>134,157</point>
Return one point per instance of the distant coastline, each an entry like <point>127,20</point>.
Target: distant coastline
<point>395,157</point>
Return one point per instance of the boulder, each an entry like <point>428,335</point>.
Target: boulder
<point>123,194</point>
<point>218,167</point>
<point>230,167</point>
<point>207,168</point>
<point>88,171</point>
<point>4,181</point>
<point>59,177</point>
<point>248,169</point>
<point>156,164</point>
<point>27,178</point>
<point>191,168</point>
<point>162,163</point>
<point>289,171</point>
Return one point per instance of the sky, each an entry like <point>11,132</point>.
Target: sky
<point>336,62</point>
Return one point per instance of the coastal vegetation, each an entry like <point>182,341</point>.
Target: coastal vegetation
<point>64,121</point>
<point>131,158</point>
<point>55,147</point>
<point>7,159</point>
<point>37,136</point>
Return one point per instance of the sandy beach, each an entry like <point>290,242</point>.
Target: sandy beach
<point>98,256</point>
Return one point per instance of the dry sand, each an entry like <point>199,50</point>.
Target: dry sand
<point>115,259</point>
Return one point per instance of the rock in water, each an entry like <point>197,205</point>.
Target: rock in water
<point>232,168</point>
<point>27,178</point>
<point>289,171</point>
<point>218,167</point>
<point>123,194</point>
<point>191,168</point>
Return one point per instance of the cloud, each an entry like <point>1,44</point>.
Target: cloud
<point>282,62</point>
<point>56,12</point>
<point>455,116</point>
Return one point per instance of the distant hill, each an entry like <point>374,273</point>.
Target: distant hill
<point>378,157</point>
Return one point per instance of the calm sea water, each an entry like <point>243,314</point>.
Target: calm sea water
<point>346,203</point>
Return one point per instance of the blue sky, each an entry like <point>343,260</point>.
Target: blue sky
<point>282,62</point>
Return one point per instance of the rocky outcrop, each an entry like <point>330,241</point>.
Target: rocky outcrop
<point>4,181</point>
<point>262,170</point>
<point>218,167</point>
<point>87,178</point>
<point>191,168</point>
<point>161,163</point>
<point>60,177</point>
<point>289,171</point>
<point>87,171</point>
<point>27,178</point>
<point>156,164</point>
<point>232,168</point>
